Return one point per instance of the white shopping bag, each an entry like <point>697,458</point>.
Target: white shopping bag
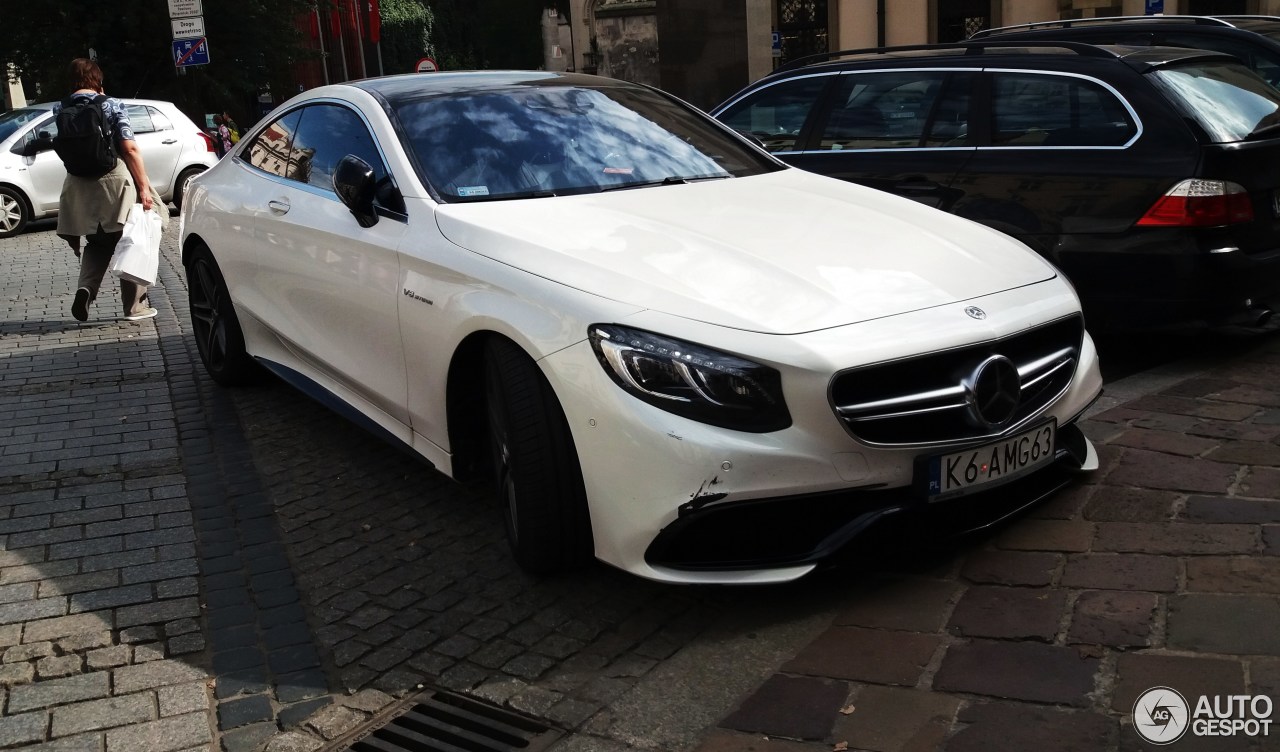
<point>137,256</point>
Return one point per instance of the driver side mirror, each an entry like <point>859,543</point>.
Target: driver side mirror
<point>355,185</point>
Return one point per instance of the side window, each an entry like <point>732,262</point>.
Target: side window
<point>949,124</point>
<point>888,110</point>
<point>776,114</point>
<point>49,127</point>
<point>1033,109</point>
<point>269,151</point>
<point>326,134</point>
<point>158,119</point>
<point>1262,61</point>
<point>140,119</point>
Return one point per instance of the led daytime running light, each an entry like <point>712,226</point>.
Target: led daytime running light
<point>691,380</point>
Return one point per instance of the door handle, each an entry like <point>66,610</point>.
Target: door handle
<point>278,207</point>
<point>169,141</point>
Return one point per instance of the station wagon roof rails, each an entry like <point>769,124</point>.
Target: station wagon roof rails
<point>1235,17</point>
<point>970,48</point>
<point>1070,22</point>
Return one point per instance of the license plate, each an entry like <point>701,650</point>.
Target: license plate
<point>963,472</point>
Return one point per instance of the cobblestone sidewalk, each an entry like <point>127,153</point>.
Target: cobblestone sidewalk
<point>98,573</point>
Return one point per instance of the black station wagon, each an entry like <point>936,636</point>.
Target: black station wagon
<point>1150,176</point>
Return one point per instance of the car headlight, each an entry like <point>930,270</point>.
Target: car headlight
<point>690,380</point>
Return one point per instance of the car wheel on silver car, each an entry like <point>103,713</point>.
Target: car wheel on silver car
<point>182,183</point>
<point>13,213</point>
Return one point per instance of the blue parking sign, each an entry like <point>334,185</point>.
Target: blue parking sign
<point>1155,7</point>
<point>190,52</point>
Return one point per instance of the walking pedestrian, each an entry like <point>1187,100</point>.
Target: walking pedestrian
<point>96,206</point>
<point>216,133</point>
<point>232,127</point>
<point>224,134</point>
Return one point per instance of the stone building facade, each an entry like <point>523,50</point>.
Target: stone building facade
<point>704,50</point>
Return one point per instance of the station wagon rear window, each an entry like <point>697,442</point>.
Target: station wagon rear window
<point>1227,100</point>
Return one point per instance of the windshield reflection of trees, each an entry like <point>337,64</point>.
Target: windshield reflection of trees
<point>561,140</point>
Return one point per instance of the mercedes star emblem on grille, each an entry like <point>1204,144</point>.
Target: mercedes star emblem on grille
<point>993,392</point>
<point>976,312</point>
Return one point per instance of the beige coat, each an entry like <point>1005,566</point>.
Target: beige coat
<point>92,205</point>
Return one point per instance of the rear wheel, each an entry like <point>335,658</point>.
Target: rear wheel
<point>213,319</point>
<point>14,213</point>
<point>538,476</point>
<point>180,187</point>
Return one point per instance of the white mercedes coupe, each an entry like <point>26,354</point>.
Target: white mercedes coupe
<point>669,350</point>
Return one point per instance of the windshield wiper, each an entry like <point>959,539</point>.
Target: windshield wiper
<point>1262,130</point>
<point>672,180</point>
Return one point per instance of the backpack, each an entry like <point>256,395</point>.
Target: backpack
<point>84,141</point>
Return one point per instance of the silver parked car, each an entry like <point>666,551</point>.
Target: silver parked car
<point>173,148</point>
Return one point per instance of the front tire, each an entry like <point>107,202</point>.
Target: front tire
<point>14,213</point>
<point>538,476</point>
<point>213,320</point>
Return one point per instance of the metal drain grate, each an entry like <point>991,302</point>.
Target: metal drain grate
<point>439,721</point>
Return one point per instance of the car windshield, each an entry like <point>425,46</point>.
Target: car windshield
<point>534,141</point>
<point>1227,100</point>
<point>12,120</point>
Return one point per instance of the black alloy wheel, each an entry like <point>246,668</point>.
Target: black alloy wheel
<point>216,328</point>
<point>539,480</point>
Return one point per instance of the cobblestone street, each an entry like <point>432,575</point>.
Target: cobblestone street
<point>190,567</point>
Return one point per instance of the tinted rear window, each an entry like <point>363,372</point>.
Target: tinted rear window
<point>1228,100</point>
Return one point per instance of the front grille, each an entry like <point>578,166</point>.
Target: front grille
<point>924,400</point>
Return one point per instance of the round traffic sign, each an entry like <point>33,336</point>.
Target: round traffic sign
<point>426,65</point>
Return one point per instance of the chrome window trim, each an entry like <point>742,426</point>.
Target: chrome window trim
<point>945,69</point>
<point>302,105</point>
<point>1139,129</point>
<point>770,85</point>
<point>1137,121</point>
<point>307,187</point>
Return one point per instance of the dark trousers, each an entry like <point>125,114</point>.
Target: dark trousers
<point>94,261</point>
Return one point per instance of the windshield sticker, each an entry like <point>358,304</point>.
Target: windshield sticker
<point>618,170</point>
<point>474,190</point>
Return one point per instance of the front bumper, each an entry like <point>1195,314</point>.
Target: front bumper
<point>680,501</point>
<point>805,530</point>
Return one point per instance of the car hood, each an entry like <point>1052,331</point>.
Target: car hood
<point>780,253</point>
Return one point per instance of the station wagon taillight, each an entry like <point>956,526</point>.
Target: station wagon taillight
<point>1200,203</point>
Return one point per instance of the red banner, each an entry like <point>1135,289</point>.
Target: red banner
<point>375,22</point>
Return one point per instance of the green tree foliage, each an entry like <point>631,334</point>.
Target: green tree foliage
<point>406,34</point>
<point>252,43</point>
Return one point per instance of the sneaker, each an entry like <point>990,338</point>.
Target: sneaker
<point>80,306</point>
<point>145,313</point>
